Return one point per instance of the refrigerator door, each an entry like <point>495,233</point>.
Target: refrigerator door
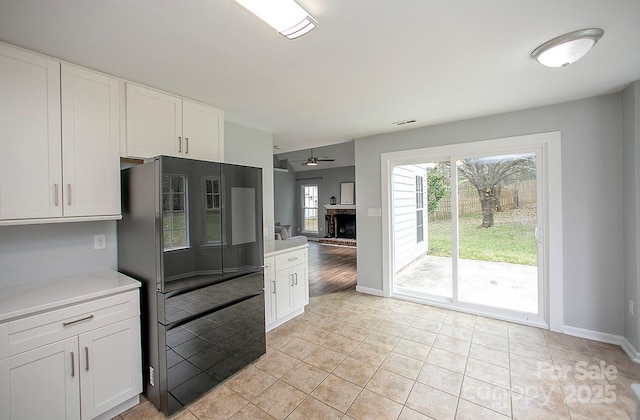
<point>242,219</point>
<point>191,212</point>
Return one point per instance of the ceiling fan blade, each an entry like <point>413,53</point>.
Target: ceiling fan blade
<point>325,160</point>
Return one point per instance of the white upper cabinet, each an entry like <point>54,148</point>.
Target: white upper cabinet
<point>30,162</point>
<point>154,123</point>
<point>163,124</point>
<point>61,157</point>
<point>90,143</point>
<point>202,128</point>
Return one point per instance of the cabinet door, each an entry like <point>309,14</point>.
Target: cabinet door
<point>110,366</point>
<point>30,162</point>
<point>201,127</point>
<point>44,383</point>
<point>300,290</point>
<point>90,143</point>
<point>284,281</point>
<point>154,123</point>
<point>269,291</point>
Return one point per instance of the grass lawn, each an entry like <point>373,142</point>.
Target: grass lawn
<point>510,240</point>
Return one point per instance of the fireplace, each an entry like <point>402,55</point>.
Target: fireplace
<point>341,224</point>
<point>345,226</point>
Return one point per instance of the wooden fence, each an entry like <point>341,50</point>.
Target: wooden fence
<point>511,196</point>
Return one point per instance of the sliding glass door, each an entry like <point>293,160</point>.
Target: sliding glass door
<point>465,232</point>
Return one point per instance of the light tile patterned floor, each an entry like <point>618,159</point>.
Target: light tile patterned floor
<point>363,357</point>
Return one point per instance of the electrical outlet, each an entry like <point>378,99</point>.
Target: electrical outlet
<point>631,307</point>
<point>100,241</point>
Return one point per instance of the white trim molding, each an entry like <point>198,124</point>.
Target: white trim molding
<point>593,335</point>
<point>369,290</point>
<point>631,351</point>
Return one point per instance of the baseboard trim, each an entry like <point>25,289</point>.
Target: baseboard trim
<point>631,351</point>
<point>593,335</point>
<point>628,348</point>
<point>368,290</point>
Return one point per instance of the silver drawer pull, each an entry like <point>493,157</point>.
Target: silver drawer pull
<point>86,318</point>
<point>293,259</point>
<point>73,365</point>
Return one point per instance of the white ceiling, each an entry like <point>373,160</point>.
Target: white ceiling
<point>369,62</point>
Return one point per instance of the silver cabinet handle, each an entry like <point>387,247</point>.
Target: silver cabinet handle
<point>67,323</point>
<point>86,355</point>
<point>274,287</point>
<point>57,194</point>
<point>69,194</point>
<point>296,274</point>
<point>291,279</point>
<point>293,259</point>
<point>73,365</point>
<point>186,144</point>
<point>179,144</point>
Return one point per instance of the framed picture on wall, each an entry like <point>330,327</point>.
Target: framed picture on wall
<point>347,192</point>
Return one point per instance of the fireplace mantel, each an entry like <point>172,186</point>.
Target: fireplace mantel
<point>340,206</point>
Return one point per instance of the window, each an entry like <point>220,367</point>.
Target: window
<point>310,208</point>
<point>419,209</point>
<point>174,212</point>
<point>212,215</point>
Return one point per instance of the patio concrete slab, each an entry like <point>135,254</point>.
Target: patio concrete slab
<point>495,284</point>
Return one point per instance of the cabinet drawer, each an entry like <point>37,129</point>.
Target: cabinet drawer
<point>37,330</point>
<point>290,259</point>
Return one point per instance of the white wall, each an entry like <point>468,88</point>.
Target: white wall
<point>35,253</point>
<point>250,146</point>
<point>592,202</point>
<point>631,203</point>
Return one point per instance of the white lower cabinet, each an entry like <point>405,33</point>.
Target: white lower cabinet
<point>43,383</point>
<point>269,290</point>
<point>111,368</point>
<point>91,365</point>
<point>287,285</point>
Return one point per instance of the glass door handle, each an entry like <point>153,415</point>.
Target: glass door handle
<point>538,234</point>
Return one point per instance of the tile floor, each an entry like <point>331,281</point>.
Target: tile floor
<point>363,357</point>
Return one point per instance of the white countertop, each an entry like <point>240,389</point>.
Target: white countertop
<point>26,299</point>
<point>272,248</point>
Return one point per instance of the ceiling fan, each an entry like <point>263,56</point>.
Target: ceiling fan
<point>313,160</point>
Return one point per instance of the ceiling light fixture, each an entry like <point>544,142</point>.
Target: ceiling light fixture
<point>568,48</point>
<point>285,16</point>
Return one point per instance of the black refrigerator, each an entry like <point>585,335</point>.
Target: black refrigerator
<point>191,232</point>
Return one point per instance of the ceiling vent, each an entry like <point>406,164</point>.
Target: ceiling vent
<point>403,122</point>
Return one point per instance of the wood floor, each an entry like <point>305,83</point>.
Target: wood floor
<point>331,268</point>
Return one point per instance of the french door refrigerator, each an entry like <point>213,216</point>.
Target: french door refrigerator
<point>191,232</point>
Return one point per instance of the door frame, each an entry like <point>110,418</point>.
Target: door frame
<point>550,144</point>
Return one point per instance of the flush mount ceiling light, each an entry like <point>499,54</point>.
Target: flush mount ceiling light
<point>285,16</point>
<point>568,48</point>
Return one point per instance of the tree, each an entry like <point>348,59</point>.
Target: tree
<point>487,174</point>
<point>436,189</point>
